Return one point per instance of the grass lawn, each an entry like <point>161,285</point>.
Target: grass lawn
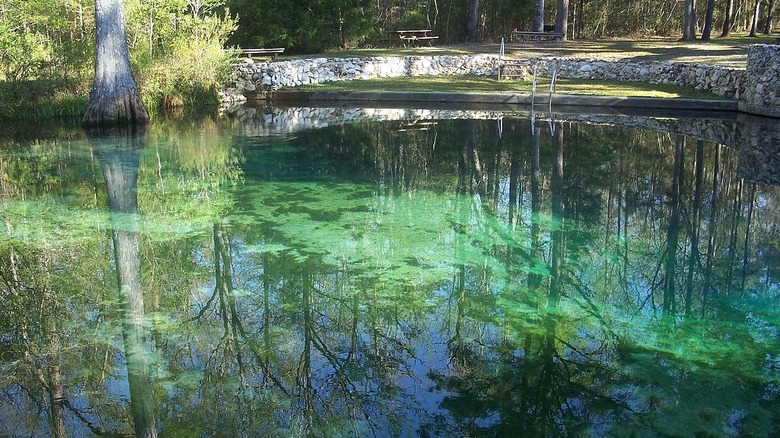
<point>729,52</point>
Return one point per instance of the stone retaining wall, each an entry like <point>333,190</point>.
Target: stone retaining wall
<point>722,81</point>
<point>254,76</point>
<point>762,81</point>
<point>757,88</point>
<point>266,76</point>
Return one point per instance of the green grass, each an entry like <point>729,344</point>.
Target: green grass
<point>42,99</point>
<point>729,52</point>
<point>462,84</point>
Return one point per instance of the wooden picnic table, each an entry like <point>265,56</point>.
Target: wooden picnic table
<point>273,52</point>
<point>522,35</point>
<point>415,36</point>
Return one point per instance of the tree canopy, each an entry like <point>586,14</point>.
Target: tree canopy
<point>314,25</point>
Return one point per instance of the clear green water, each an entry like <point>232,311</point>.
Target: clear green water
<point>366,280</point>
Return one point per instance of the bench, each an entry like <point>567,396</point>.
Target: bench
<point>522,35</point>
<point>414,37</point>
<point>272,52</point>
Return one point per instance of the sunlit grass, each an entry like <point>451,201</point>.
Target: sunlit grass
<point>462,84</point>
<point>730,51</point>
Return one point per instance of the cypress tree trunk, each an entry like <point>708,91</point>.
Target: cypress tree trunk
<point>114,99</point>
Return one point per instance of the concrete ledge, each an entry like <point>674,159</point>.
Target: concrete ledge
<point>509,100</point>
<point>759,110</point>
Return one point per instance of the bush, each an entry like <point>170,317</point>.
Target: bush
<point>192,71</point>
<point>412,20</point>
<point>192,74</point>
<point>22,56</point>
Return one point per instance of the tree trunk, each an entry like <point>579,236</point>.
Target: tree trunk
<point>539,16</point>
<point>472,23</point>
<point>707,32</point>
<point>729,4</point>
<point>754,19</point>
<point>769,13</point>
<point>689,22</point>
<point>114,99</point>
<point>562,18</point>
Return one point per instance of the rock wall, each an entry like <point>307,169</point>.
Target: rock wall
<point>267,76</point>
<point>254,76</point>
<point>722,81</point>
<point>762,81</point>
<point>757,88</point>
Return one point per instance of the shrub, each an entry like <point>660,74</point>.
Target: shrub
<point>412,20</point>
<point>192,74</point>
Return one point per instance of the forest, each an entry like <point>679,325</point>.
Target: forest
<point>176,46</point>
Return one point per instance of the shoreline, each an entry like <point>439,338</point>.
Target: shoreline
<point>508,101</point>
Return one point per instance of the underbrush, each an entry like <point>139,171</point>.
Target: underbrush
<point>43,99</point>
<point>190,75</point>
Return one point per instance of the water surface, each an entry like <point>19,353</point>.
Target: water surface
<point>415,277</point>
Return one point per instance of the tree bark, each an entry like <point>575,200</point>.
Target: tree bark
<point>754,19</point>
<point>539,16</point>
<point>729,4</point>
<point>115,98</point>
<point>769,15</point>
<point>473,20</point>
<point>562,18</point>
<point>689,22</point>
<point>707,32</point>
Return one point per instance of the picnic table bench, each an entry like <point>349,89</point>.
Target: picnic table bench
<point>415,37</point>
<point>522,35</point>
<point>273,52</point>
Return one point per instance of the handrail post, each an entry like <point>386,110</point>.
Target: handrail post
<point>500,57</point>
<point>552,86</point>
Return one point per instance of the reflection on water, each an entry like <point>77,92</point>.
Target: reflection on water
<point>387,278</point>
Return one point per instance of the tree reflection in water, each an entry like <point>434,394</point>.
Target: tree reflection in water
<point>118,151</point>
<point>367,280</point>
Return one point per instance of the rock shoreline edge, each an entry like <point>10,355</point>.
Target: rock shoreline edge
<point>754,90</point>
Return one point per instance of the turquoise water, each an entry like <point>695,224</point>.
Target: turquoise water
<point>419,277</point>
